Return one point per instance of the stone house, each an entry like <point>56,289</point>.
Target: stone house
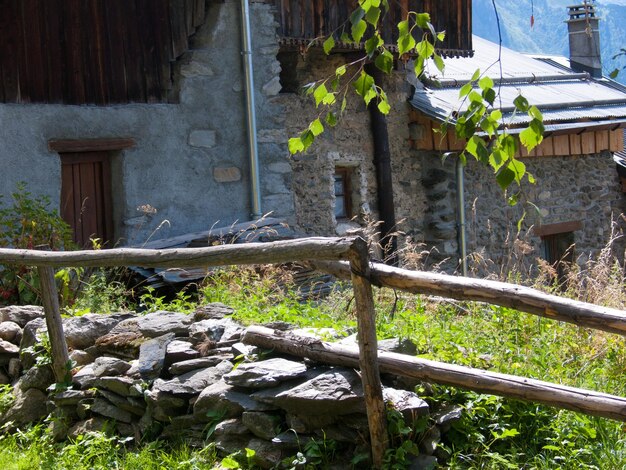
<point>130,114</point>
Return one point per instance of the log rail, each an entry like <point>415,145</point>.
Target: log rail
<point>347,258</point>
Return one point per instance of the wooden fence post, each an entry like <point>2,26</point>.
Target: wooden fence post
<point>50,300</point>
<point>368,351</point>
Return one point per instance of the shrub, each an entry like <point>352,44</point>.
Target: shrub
<point>28,223</point>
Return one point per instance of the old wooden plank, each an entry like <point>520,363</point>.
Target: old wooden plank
<point>117,41</point>
<point>561,145</point>
<point>602,140</point>
<point>575,144</point>
<point>178,28</point>
<point>74,84</point>
<point>588,143</point>
<point>617,140</point>
<point>52,36</point>
<point>149,49</point>
<point>133,54</point>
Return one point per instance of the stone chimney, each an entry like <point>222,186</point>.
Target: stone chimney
<point>584,39</point>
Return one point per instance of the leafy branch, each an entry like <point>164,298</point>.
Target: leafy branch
<point>480,124</point>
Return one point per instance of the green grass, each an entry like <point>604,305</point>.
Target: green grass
<point>493,432</point>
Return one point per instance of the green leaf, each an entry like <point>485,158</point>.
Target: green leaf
<point>614,74</point>
<point>329,99</point>
<point>340,71</point>
<point>229,462</point>
<point>384,61</point>
<point>406,43</point>
<point>373,15</point>
<point>363,84</point>
<point>439,62</point>
<point>485,83</point>
<point>465,90</point>
<point>496,115</point>
<point>425,49</point>
<point>331,119</point>
<point>316,127</point>
<point>531,136</point>
<point>535,113</point>
<point>518,168</point>
<point>441,36</point>
<point>476,75</point>
<point>358,30</point>
<point>320,93</point>
<point>250,453</point>
<point>422,20</point>
<point>508,144</point>
<point>521,104</point>
<point>505,177</point>
<point>329,44</point>
<point>307,138</point>
<point>370,95</point>
<point>357,15</point>
<point>295,145</point>
<point>403,28</point>
<point>383,106</point>
<point>489,95</point>
<point>344,104</point>
<point>371,45</point>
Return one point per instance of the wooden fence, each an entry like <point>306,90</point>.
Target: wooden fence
<point>348,258</point>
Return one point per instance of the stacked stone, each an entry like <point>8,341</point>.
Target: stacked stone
<point>188,376</point>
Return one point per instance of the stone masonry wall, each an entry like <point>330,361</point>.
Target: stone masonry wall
<point>190,161</point>
<point>350,145</point>
<point>579,187</point>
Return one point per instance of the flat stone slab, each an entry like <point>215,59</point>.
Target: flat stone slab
<point>200,363</point>
<point>264,374</point>
<point>194,382</point>
<point>224,399</point>
<point>105,408</point>
<point>109,366</point>
<point>152,356</point>
<point>336,391</point>
<point>179,350</point>
<point>121,384</point>
<point>72,397</point>
<point>261,424</point>
<point>162,322</point>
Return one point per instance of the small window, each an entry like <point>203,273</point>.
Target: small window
<point>343,193</point>
<point>558,243</point>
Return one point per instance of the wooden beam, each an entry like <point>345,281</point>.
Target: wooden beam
<point>368,350</point>
<point>223,255</point>
<point>90,145</point>
<point>521,388</point>
<point>524,299</point>
<point>559,227</point>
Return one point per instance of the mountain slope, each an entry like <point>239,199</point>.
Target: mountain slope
<point>549,35</point>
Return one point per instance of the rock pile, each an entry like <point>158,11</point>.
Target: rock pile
<point>172,375</point>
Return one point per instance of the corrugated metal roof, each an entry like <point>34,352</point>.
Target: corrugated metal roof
<point>562,95</point>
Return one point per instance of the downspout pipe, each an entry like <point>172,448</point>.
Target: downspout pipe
<point>253,148</point>
<point>384,180</point>
<point>460,197</point>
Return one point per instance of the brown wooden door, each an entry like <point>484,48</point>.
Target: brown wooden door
<point>86,196</point>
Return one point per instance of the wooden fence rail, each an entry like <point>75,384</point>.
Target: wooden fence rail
<point>524,299</point>
<point>348,258</point>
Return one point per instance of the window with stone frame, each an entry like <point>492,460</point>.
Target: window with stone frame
<point>343,193</point>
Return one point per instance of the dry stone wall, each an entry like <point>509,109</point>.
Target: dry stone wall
<point>168,375</point>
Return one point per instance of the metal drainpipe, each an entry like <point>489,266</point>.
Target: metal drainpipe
<point>246,53</point>
<point>460,196</point>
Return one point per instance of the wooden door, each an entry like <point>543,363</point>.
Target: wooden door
<point>86,203</point>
